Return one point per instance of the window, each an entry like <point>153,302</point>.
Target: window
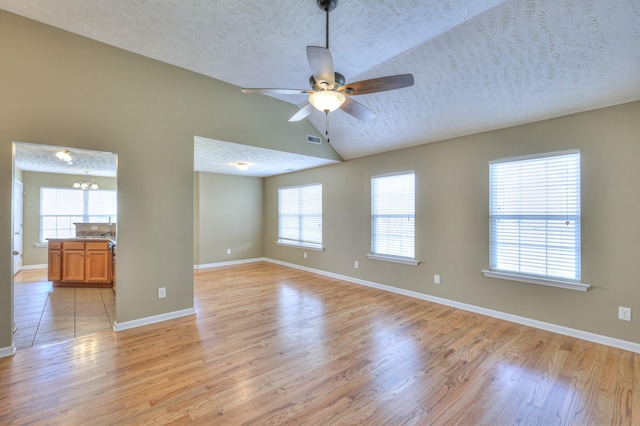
<point>61,207</point>
<point>535,216</point>
<point>393,219</point>
<point>300,216</point>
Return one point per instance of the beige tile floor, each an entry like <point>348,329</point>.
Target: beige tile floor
<point>45,314</point>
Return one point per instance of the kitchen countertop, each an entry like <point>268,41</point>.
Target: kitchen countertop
<point>109,239</point>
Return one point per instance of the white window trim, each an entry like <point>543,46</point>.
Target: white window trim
<point>535,156</point>
<point>546,281</point>
<point>549,282</point>
<point>386,257</point>
<point>85,215</point>
<point>301,245</point>
<point>395,259</point>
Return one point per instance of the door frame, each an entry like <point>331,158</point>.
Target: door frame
<point>17,212</point>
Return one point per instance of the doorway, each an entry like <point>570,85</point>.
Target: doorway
<point>44,313</point>
<point>17,212</point>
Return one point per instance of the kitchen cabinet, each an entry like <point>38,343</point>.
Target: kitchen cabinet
<point>83,263</point>
<point>73,261</point>
<point>55,261</point>
<point>97,262</point>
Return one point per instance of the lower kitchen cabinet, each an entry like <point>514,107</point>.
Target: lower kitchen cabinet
<point>83,263</point>
<point>55,261</point>
<point>97,263</point>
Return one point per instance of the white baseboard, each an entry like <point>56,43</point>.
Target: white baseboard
<point>8,351</point>
<point>29,267</point>
<point>232,262</point>
<point>153,319</point>
<point>579,334</point>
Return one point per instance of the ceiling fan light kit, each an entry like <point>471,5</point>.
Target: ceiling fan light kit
<point>329,91</point>
<point>327,100</point>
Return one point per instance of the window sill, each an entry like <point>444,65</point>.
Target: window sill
<point>41,245</point>
<point>550,282</point>
<point>403,260</point>
<point>304,246</point>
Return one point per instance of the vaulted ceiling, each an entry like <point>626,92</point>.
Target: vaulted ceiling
<point>478,65</point>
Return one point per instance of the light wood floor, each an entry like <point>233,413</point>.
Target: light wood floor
<point>271,345</point>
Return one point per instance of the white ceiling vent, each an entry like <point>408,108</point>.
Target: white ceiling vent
<point>314,139</point>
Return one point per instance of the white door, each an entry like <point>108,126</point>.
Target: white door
<point>17,226</point>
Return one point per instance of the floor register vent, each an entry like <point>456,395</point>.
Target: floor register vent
<point>313,139</point>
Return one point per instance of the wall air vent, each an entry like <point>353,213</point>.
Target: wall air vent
<point>314,139</point>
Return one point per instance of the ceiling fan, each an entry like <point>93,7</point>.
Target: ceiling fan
<point>329,91</point>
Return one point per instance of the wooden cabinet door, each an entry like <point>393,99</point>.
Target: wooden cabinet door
<point>98,266</point>
<point>73,265</point>
<point>55,265</point>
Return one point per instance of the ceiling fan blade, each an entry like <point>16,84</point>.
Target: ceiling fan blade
<point>276,91</point>
<point>302,112</point>
<point>374,85</point>
<point>358,110</point>
<point>321,65</point>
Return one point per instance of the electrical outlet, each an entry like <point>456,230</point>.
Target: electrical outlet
<point>355,264</point>
<point>624,313</point>
<point>305,254</point>
<point>162,292</point>
<point>436,279</point>
<point>228,251</point>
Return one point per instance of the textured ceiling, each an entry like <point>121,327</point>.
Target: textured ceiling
<point>209,156</point>
<point>478,64</point>
<point>42,158</point>
<point>220,157</point>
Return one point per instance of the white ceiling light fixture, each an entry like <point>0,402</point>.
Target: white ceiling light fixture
<point>64,155</point>
<point>86,183</point>
<point>242,165</point>
<point>327,100</point>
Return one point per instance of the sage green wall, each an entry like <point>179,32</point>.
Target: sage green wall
<point>32,182</point>
<point>452,222</point>
<point>64,90</point>
<point>229,216</point>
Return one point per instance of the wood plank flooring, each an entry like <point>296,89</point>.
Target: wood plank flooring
<point>272,345</point>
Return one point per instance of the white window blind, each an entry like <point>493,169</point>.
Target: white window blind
<point>60,208</point>
<point>535,215</point>
<point>300,215</point>
<point>393,215</point>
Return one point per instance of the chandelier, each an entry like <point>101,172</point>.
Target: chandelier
<point>86,183</point>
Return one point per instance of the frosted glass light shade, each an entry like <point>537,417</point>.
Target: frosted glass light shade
<point>326,100</point>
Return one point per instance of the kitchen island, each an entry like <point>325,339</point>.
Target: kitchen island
<point>81,262</point>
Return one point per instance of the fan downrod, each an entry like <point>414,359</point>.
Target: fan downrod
<point>327,5</point>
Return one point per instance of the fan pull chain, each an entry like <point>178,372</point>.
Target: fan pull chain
<point>326,126</point>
